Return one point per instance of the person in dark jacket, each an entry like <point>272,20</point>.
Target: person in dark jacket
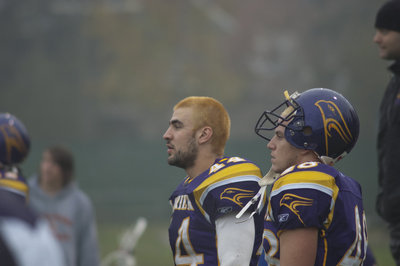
<point>387,37</point>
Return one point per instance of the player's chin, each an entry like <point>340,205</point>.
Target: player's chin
<point>276,168</point>
<point>273,163</point>
<point>171,159</point>
<point>170,152</point>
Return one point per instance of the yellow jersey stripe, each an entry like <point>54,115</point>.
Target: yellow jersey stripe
<point>231,171</point>
<point>311,177</point>
<point>312,180</point>
<point>238,170</point>
<point>18,185</point>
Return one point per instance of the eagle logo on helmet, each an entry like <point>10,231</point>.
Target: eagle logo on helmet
<point>334,123</point>
<point>14,140</point>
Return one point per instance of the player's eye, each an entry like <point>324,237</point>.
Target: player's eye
<point>177,125</point>
<point>279,134</point>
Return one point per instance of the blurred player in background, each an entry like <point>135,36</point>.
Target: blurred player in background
<point>387,37</point>
<point>203,229</point>
<point>14,148</point>
<point>55,195</point>
<point>315,214</point>
<point>25,239</point>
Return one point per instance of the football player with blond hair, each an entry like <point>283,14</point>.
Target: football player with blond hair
<point>203,229</point>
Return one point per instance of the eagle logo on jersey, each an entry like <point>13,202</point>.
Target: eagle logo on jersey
<point>237,195</point>
<point>292,201</point>
<point>333,122</point>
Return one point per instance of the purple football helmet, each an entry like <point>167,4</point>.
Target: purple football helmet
<point>318,119</point>
<point>14,140</point>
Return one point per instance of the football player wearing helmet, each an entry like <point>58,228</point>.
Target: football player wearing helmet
<point>203,229</point>
<point>14,148</point>
<point>315,214</point>
<point>387,37</point>
<point>14,140</point>
<point>25,238</point>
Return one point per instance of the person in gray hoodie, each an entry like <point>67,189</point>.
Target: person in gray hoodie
<point>55,195</point>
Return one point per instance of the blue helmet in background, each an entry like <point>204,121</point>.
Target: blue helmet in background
<point>318,119</point>
<point>14,140</point>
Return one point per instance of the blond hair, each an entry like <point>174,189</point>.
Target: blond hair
<point>288,111</point>
<point>208,111</point>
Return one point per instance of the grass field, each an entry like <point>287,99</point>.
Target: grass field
<point>151,250</point>
<point>378,239</point>
<point>153,247</point>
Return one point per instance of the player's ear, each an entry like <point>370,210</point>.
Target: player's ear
<point>205,134</point>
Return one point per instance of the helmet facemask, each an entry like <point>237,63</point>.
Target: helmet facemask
<point>282,115</point>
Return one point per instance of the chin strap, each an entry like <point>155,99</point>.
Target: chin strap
<point>329,160</point>
<point>268,179</point>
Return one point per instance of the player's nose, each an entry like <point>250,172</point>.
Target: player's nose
<point>167,135</point>
<point>271,144</point>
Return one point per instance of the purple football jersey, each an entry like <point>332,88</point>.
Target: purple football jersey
<point>197,202</point>
<point>316,195</point>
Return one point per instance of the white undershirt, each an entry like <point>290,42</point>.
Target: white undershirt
<point>235,240</point>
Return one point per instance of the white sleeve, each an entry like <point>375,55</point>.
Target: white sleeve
<point>32,246</point>
<point>235,240</point>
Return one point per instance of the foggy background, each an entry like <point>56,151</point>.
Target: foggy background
<point>101,77</point>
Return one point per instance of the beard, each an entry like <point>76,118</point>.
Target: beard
<point>185,158</point>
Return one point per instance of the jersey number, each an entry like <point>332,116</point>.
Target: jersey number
<point>355,248</point>
<point>183,241</point>
<point>273,247</point>
<point>348,259</point>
